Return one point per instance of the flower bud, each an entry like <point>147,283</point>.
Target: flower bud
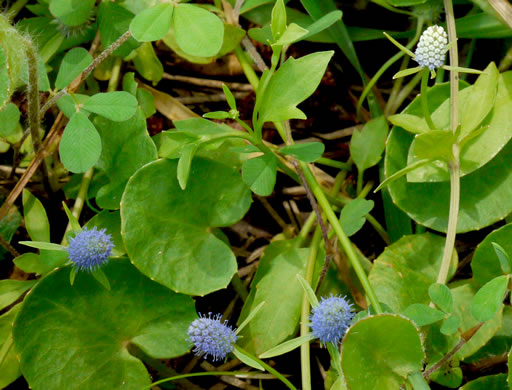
<point>212,337</point>
<point>90,249</point>
<point>431,50</point>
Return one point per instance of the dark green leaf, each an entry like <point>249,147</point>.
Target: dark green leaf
<point>9,363</point>
<point>114,21</point>
<point>167,230</point>
<point>489,382</point>
<point>11,290</point>
<point>379,352</point>
<point>96,326</point>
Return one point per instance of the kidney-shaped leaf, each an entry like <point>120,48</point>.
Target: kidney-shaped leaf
<point>402,274</point>
<point>198,32</point>
<point>167,231</point>
<point>293,83</point>
<point>379,352</point>
<point>77,337</point>
<point>485,192</point>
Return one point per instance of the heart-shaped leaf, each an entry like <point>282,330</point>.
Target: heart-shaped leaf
<point>74,62</point>
<point>167,231</point>
<point>79,336</point>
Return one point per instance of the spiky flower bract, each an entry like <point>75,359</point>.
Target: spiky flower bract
<point>212,337</point>
<point>90,249</point>
<point>431,49</point>
<point>331,319</point>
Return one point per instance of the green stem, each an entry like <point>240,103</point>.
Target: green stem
<point>404,93</point>
<point>306,228</point>
<point>249,72</point>
<point>241,374</point>
<point>115,73</point>
<point>452,218</point>
<point>342,237</point>
<point>16,8</point>
<point>454,166</point>
<point>271,370</point>
<point>424,99</point>
<point>333,163</point>
<point>305,361</point>
<point>334,351</point>
<point>359,185</point>
<point>386,65</point>
<point>417,381</point>
<point>80,200</point>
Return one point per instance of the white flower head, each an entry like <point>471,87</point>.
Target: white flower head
<point>431,50</point>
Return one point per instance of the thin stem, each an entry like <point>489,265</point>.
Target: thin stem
<point>387,64</point>
<point>241,374</point>
<point>16,8</point>
<point>82,76</point>
<point>333,163</point>
<point>446,358</point>
<point>249,72</point>
<point>359,185</point>
<point>454,168</point>
<point>424,99</point>
<point>454,61</point>
<point>271,370</point>
<point>342,237</point>
<point>305,362</point>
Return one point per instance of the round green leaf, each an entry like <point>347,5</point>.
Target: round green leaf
<point>72,12</point>
<point>74,62</point>
<point>379,352</point>
<point>168,232</point>
<point>489,299</point>
<point>485,263</point>
<point>80,146</point>
<point>152,23</point>
<point>117,106</point>
<point>485,193</point>
<point>403,273</point>
<point>450,325</point>
<point>71,337</point>
<point>198,32</point>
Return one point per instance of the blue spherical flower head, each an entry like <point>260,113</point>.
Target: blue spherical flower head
<point>90,249</point>
<point>212,337</point>
<point>331,319</point>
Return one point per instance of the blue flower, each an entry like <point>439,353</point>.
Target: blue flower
<point>90,249</point>
<point>212,337</point>
<point>331,319</point>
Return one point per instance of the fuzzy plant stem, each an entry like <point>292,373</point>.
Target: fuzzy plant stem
<point>454,165</point>
<point>424,99</point>
<point>342,237</point>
